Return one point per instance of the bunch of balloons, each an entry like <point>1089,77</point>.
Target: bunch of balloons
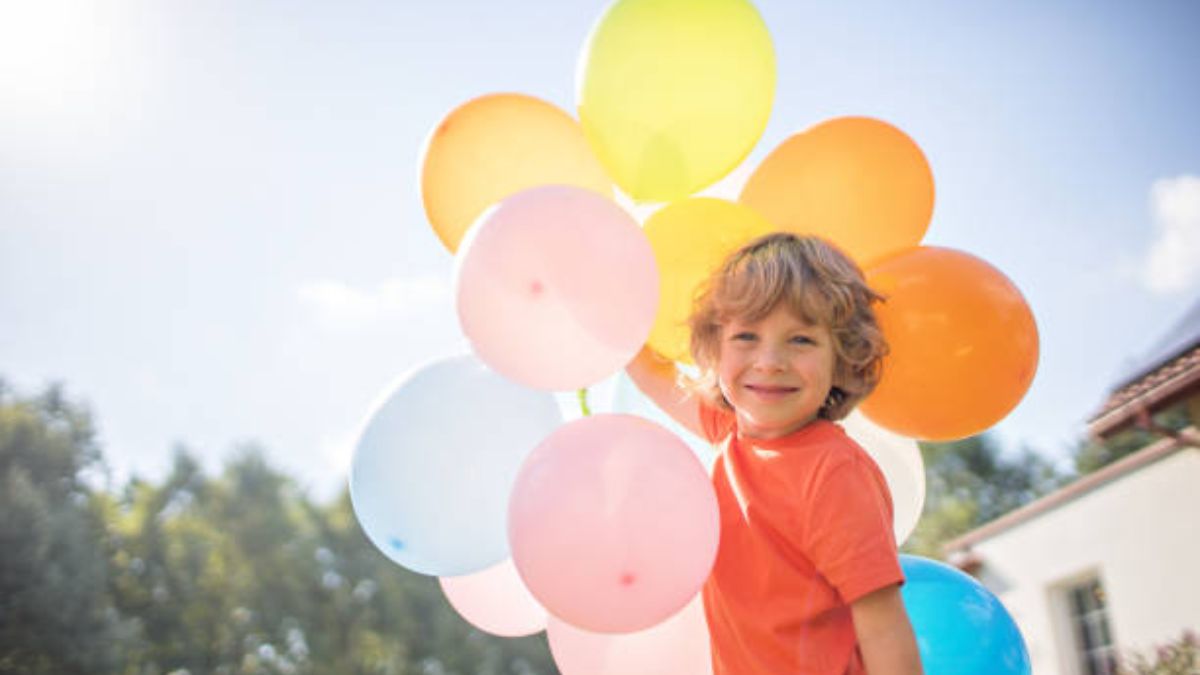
<point>602,530</point>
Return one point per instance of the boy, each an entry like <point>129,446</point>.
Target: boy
<point>807,576</point>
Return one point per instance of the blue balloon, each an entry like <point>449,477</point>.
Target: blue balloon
<point>960,626</point>
<point>436,461</point>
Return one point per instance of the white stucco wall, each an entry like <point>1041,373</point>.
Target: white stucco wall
<point>1140,534</point>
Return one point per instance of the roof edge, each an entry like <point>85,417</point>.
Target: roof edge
<point>1122,414</point>
<point>1126,465</point>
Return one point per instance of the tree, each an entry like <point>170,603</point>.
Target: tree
<point>969,482</point>
<point>55,613</point>
<point>240,573</point>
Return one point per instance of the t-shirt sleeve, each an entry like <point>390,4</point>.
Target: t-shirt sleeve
<point>716,423</point>
<point>847,531</point>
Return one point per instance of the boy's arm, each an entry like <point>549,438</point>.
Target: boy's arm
<point>885,635</point>
<point>655,377</point>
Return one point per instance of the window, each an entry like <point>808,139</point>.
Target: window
<point>1089,622</point>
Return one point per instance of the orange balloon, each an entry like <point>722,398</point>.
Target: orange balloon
<point>494,146</point>
<point>964,344</point>
<point>859,182</point>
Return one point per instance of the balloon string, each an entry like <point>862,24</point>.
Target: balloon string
<point>583,404</point>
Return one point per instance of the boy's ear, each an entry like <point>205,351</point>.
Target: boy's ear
<point>836,397</point>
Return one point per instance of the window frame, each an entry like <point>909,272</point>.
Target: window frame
<point>1084,625</point>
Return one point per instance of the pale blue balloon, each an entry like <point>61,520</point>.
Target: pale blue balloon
<point>436,461</point>
<point>960,626</point>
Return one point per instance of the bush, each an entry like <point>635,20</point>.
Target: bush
<point>1179,657</point>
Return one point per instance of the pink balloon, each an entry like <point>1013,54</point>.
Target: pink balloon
<point>677,646</point>
<point>495,601</point>
<point>556,287</point>
<point>613,523</point>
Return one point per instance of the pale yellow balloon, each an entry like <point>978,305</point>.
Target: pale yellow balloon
<point>497,145</point>
<point>691,238</point>
<point>673,94</point>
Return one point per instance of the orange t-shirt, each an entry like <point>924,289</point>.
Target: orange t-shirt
<point>806,529</point>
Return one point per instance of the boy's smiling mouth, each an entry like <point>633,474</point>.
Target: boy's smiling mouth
<point>771,389</point>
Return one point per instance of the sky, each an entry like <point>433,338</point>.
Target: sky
<point>211,228</point>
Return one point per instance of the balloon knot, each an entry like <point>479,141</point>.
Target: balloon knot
<point>582,395</point>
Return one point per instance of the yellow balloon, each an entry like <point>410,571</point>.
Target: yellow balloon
<point>497,145</point>
<point>691,238</point>
<point>673,94</point>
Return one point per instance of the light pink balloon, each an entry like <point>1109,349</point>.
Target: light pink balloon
<point>613,523</point>
<point>677,646</point>
<point>556,287</point>
<point>495,601</point>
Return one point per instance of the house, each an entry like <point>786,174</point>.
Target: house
<point>1109,564</point>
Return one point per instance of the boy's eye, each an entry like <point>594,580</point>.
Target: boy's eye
<point>802,340</point>
<point>744,336</point>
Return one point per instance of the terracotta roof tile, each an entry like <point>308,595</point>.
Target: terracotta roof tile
<point>1181,365</point>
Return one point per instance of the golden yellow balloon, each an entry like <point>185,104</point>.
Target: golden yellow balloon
<point>494,146</point>
<point>691,238</point>
<point>673,94</point>
<point>859,182</point>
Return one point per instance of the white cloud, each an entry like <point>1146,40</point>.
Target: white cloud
<point>344,307</point>
<point>1173,262</point>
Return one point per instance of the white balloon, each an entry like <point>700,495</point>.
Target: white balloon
<point>899,458</point>
<point>436,462</point>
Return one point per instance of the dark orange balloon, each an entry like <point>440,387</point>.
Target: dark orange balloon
<point>964,344</point>
<point>859,182</point>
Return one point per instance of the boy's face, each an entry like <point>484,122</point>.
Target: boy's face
<point>775,372</point>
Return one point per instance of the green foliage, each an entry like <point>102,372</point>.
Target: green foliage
<point>238,573</point>
<point>969,482</point>
<point>1178,657</point>
<point>55,612</point>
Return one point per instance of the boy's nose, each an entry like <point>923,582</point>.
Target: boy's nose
<point>769,359</point>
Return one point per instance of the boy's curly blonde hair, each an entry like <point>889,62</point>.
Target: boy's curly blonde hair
<point>814,280</point>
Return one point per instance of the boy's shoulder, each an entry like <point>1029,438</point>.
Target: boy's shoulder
<point>828,451</point>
